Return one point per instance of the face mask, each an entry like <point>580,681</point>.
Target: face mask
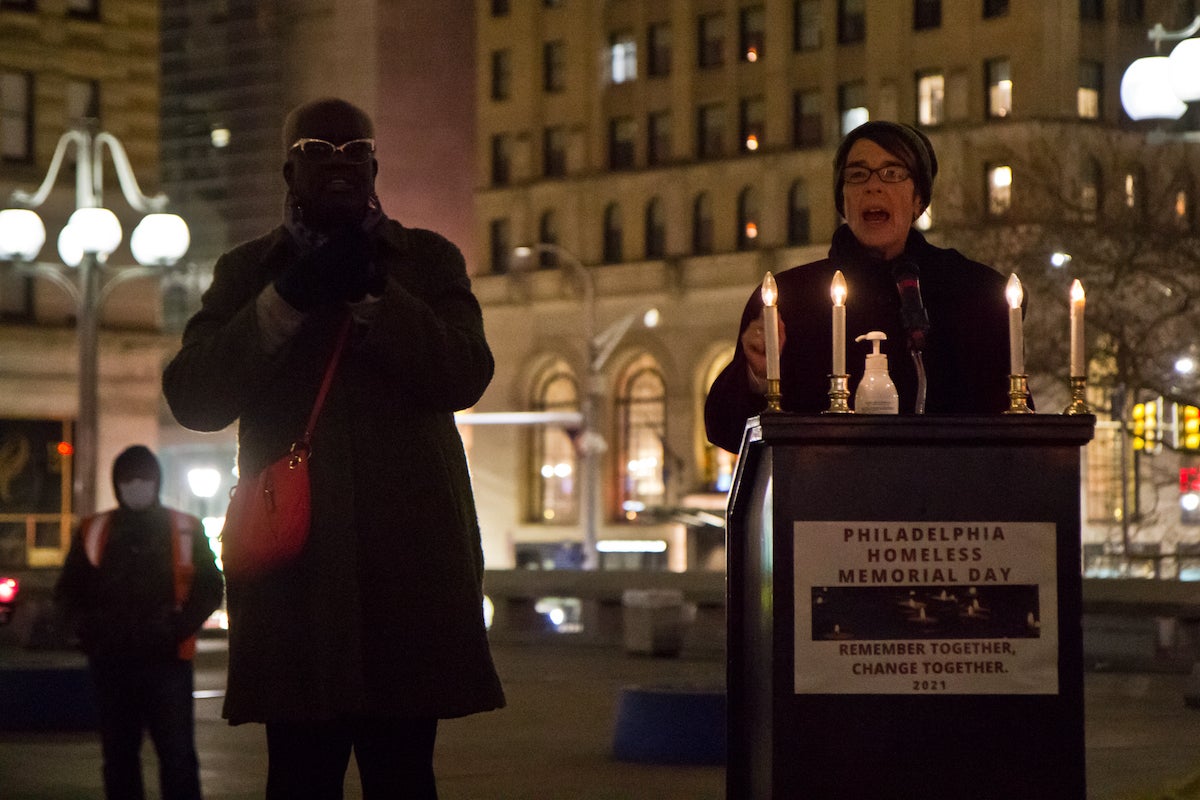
<point>137,494</point>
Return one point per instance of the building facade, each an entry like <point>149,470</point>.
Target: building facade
<point>665,156</point>
<point>677,151</point>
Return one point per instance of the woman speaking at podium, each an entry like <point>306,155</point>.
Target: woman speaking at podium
<point>945,316</point>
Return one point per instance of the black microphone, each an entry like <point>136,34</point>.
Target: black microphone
<point>912,310</point>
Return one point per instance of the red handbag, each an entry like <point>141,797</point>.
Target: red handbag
<point>268,518</point>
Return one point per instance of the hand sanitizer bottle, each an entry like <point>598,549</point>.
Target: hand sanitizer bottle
<point>876,393</point>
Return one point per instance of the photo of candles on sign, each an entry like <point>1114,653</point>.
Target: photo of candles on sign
<point>900,607</point>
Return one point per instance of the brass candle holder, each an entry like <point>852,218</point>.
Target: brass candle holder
<point>1079,404</point>
<point>839,395</point>
<point>774,396</point>
<point>1018,395</point>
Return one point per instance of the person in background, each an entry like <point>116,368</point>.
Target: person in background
<point>376,630</point>
<point>950,309</point>
<point>138,583</point>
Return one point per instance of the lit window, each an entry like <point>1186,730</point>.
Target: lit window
<point>1180,208</point>
<point>1090,89</point>
<point>852,106</point>
<point>642,419</point>
<point>622,58</point>
<point>752,26</point>
<point>1103,490</point>
<point>718,463</point>
<point>748,214</point>
<point>999,87</point>
<point>752,124</point>
<point>999,188</point>
<point>555,461</point>
<point>931,96</point>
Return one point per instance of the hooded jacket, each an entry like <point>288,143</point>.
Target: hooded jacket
<point>381,613</point>
<point>119,586</point>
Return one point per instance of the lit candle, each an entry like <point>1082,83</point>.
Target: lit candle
<point>838,291</point>
<point>1078,362</point>
<point>1016,333</point>
<point>771,325</point>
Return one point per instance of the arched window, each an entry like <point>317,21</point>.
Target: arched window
<point>799,224</point>
<point>548,234</point>
<point>553,457</point>
<point>702,225</point>
<point>717,463</point>
<point>747,221</point>
<point>612,234</point>
<point>641,433</point>
<point>656,229</point>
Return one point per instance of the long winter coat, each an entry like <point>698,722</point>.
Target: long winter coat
<point>382,612</point>
<point>966,354</point>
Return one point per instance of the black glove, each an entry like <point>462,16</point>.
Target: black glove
<point>330,273</point>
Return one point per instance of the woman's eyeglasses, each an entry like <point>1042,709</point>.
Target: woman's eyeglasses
<point>892,173</point>
<point>319,151</point>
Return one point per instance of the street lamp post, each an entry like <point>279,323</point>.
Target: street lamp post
<point>590,444</point>
<point>1160,87</point>
<point>91,234</point>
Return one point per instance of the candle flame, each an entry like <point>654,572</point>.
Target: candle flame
<point>1014,292</point>
<point>837,289</point>
<point>1076,291</point>
<point>769,293</point>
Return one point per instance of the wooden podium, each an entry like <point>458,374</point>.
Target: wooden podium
<point>904,608</point>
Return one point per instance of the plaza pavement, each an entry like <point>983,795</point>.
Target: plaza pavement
<point>554,740</point>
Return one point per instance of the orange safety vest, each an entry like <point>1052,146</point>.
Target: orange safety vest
<point>183,526</point>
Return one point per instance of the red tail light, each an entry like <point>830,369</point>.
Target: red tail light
<point>8,590</point>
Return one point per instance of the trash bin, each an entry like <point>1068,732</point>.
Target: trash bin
<point>653,621</point>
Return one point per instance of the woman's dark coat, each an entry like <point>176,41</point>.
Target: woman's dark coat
<point>382,612</point>
<point>966,354</point>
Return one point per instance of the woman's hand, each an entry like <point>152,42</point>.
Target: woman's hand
<point>754,345</point>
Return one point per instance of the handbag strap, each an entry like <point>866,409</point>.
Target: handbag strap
<point>326,381</point>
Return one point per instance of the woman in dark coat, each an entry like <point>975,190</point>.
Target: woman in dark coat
<point>376,630</point>
<point>883,177</point>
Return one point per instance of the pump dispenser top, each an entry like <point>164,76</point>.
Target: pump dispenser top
<point>876,393</point>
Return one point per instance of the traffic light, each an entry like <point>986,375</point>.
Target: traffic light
<point>1147,427</point>
<point>1188,419</point>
